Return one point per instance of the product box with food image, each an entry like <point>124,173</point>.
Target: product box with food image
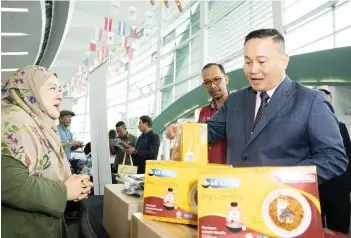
<point>170,191</point>
<point>191,143</point>
<point>259,202</point>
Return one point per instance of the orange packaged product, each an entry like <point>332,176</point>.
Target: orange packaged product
<point>259,202</point>
<point>170,191</point>
<point>191,143</point>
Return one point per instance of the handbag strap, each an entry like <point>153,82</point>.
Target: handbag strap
<point>131,160</point>
<point>124,159</point>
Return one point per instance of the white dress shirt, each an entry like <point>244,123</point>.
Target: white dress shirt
<point>270,94</point>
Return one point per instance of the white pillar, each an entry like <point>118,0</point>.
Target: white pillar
<point>158,61</point>
<point>100,152</point>
<point>126,117</point>
<point>278,16</point>
<point>203,35</point>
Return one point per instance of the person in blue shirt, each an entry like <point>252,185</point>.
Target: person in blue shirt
<point>66,135</point>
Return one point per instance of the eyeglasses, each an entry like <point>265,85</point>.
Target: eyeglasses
<point>215,81</point>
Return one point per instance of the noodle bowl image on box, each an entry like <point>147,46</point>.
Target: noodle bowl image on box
<point>259,202</point>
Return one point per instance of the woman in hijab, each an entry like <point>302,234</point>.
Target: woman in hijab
<point>36,181</point>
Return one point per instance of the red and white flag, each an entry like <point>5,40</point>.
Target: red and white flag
<point>124,41</point>
<point>100,34</point>
<point>108,24</point>
<point>179,5</point>
<point>110,38</point>
<point>130,53</point>
<point>93,45</point>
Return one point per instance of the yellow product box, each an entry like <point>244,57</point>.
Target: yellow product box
<point>170,191</point>
<point>191,143</point>
<point>259,202</point>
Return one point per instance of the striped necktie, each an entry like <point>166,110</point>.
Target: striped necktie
<point>264,103</point>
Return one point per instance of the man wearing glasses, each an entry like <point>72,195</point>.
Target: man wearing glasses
<point>215,82</point>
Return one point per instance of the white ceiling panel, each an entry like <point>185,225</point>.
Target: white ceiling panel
<point>21,22</point>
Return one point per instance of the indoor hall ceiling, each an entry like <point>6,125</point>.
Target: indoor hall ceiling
<point>31,32</point>
<point>86,17</point>
<point>31,24</point>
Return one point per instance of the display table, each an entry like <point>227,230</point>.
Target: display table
<point>118,210</point>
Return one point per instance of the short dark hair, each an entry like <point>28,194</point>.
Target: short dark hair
<point>214,64</point>
<point>121,123</point>
<point>112,134</point>
<point>146,119</point>
<point>266,33</point>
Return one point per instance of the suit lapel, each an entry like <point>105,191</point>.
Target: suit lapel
<point>280,97</point>
<point>249,112</point>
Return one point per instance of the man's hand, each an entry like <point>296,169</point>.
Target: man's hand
<point>76,144</point>
<point>171,131</point>
<point>125,145</point>
<point>130,150</point>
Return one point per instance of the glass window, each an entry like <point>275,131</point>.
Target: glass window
<point>343,38</point>
<point>342,18</point>
<point>194,82</point>
<point>167,96</point>
<point>183,37</point>
<point>323,44</point>
<point>320,26</point>
<point>296,9</point>
<point>181,88</point>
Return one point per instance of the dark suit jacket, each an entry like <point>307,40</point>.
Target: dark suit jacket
<point>298,127</point>
<point>340,185</point>
<point>147,147</point>
<point>347,141</point>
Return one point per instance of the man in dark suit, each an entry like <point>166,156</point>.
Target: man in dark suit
<point>147,145</point>
<point>276,121</point>
<point>335,194</point>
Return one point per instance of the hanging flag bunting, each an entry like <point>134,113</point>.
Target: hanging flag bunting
<point>166,3</point>
<point>110,59</point>
<point>132,31</point>
<point>99,57</point>
<point>108,24</point>
<point>121,28</point>
<point>124,42</point>
<point>132,13</point>
<point>179,5</point>
<point>106,51</point>
<point>115,7</point>
<point>121,64</point>
<point>118,53</point>
<point>93,45</point>
<point>130,53</point>
<point>100,34</point>
<point>152,2</point>
<point>85,61</point>
<point>110,38</point>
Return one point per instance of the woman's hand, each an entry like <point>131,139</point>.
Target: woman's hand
<point>78,187</point>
